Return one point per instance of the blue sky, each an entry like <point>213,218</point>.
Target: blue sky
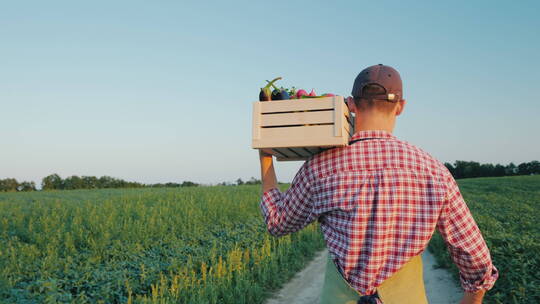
<point>157,91</point>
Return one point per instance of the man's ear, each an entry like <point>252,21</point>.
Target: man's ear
<point>400,106</point>
<point>351,105</point>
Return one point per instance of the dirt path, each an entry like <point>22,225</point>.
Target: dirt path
<point>304,288</point>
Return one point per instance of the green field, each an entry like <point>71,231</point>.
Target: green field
<point>209,244</point>
<point>181,245</point>
<point>507,210</point>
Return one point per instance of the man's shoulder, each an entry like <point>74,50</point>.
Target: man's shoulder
<point>424,158</point>
<point>361,155</point>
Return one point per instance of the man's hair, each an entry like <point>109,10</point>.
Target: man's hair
<point>367,103</point>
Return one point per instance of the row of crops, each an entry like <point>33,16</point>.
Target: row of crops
<point>507,210</point>
<point>209,244</point>
<point>183,245</point>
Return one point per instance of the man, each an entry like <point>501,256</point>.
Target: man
<point>378,202</point>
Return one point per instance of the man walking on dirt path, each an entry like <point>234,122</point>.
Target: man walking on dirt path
<point>378,201</point>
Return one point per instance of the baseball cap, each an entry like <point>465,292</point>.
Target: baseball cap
<point>383,76</point>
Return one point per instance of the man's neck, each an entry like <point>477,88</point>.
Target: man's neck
<point>367,122</point>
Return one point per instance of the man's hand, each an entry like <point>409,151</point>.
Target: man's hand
<point>268,174</point>
<point>473,298</point>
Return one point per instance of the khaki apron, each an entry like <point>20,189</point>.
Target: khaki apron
<point>404,287</point>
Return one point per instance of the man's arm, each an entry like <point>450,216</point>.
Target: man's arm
<point>466,245</point>
<point>268,174</point>
<point>285,212</point>
<point>473,298</point>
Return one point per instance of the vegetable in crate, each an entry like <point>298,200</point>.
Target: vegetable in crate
<point>266,94</point>
<point>292,92</point>
<point>312,93</point>
<point>279,94</point>
<point>301,93</point>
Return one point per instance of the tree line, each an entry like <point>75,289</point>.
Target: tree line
<point>467,169</point>
<point>11,184</point>
<point>459,169</point>
<point>55,182</point>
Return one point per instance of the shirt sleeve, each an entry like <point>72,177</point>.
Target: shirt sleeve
<point>465,242</point>
<point>292,210</point>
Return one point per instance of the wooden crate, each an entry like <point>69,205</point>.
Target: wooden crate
<point>298,128</point>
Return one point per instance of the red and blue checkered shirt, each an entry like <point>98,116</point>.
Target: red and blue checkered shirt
<point>379,201</point>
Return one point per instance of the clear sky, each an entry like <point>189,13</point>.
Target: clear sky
<point>156,91</point>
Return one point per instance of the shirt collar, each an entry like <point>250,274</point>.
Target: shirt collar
<point>372,134</point>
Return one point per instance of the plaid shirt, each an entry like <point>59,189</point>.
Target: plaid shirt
<point>378,202</point>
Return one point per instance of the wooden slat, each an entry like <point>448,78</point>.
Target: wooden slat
<point>256,127</point>
<point>291,158</point>
<point>313,150</point>
<point>290,154</point>
<point>304,136</point>
<point>286,152</point>
<point>309,152</point>
<point>297,118</point>
<point>280,153</point>
<point>338,117</point>
<point>301,152</point>
<point>308,104</point>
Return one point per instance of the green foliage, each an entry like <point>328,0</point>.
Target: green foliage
<point>26,186</point>
<point>151,245</point>
<point>12,185</point>
<point>55,182</point>
<point>507,211</point>
<point>466,169</point>
<point>8,185</point>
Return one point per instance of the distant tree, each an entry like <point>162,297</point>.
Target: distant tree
<point>89,182</point>
<point>510,169</point>
<point>73,182</point>
<point>26,186</point>
<point>534,167</point>
<point>487,170</point>
<point>523,169</point>
<point>189,184</point>
<point>239,182</point>
<point>472,169</point>
<point>105,182</point>
<point>465,169</point>
<point>52,182</point>
<point>499,170</point>
<point>8,185</point>
<point>253,181</point>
